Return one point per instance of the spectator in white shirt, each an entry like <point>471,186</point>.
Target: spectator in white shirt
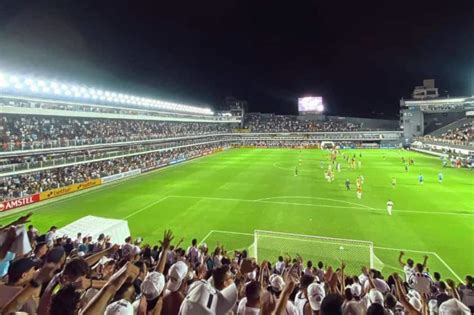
<point>250,304</point>
<point>420,281</point>
<point>408,266</point>
<point>193,253</point>
<point>280,265</point>
<point>51,236</point>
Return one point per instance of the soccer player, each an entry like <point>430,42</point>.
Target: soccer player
<point>421,179</point>
<point>394,182</point>
<point>445,163</point>
<point>359,191</point>
<point>389,207</point>
<point>338,167</point>
<point>362,179</point>
<point>296,171</point>
<point>440,177</point>
<point>406,167</point>
<point>348,184</point>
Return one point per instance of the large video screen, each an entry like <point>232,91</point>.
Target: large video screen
<point>310,104</point>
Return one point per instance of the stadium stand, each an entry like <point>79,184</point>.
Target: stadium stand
<point>72,144</point>
<point>78,274</point>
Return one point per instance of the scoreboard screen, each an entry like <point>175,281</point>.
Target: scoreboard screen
<point>310,104</point>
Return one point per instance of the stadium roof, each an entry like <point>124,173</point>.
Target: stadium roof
<point>438,101</point>
<point>15,84</point>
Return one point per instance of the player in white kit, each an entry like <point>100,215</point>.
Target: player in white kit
<point>389,207</point>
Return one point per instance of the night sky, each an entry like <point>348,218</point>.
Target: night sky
<point>361,56</point>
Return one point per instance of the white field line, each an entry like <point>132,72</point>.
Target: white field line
<point>145,207</point>
<point>317,198</point>
<point>376,247</point>
<point>205,237</point>
<point>74,195</point>
<point>327,206</point>
<point>449,268</point>
<point>393,267</point>
<point>405,250</point>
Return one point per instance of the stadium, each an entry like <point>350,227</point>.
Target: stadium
<point>113,202</point>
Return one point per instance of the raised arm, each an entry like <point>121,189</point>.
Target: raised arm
<point>402,298</point>
<point>99,302</point>
<point>33,288</point>
<point>7,244</point>
<point>342,280</point>
<point>165,245</point>
<point>371,281</point>
<point>94,258</point>
<point>285,296</point>
<point>452,285</point>
<point>21,220</point>
<point>400,259</point>
<point>425,259</point>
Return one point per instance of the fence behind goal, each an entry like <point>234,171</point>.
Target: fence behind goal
<point>331,251</point>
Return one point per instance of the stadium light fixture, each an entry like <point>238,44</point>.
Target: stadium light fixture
<point>11,82</point>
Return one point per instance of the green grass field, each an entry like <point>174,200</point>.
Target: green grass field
<point>242,190</point>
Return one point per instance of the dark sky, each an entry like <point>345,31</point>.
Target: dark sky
<point>361,56</point>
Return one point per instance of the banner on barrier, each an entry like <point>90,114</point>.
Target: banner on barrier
<point>118,176</point>
<point>19,202</point>
<point>69,189</point>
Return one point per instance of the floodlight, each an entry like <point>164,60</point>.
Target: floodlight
<point>41,83</point>
<point>18,86</point>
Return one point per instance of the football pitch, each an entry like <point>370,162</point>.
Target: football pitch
<point>226,196</point>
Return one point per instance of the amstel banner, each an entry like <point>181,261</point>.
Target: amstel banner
<point>19,202</point>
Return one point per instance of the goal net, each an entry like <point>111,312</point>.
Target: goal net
<point>331,251</point>
<point>327,145</point>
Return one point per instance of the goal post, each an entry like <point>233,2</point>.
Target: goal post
<point>269,245</point>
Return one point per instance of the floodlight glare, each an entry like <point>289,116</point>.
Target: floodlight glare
<point>78,91</point>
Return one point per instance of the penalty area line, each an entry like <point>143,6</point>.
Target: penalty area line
<point>145,207</point>
<point>364,208</point>
<point>447,267</point>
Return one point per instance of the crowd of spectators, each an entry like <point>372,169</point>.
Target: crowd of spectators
<point>280,123</point>
<point>463,135</point>
<point>30,162</point>
<point>80,275</point>
<point>27,132</point>
<point>30,183</point>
